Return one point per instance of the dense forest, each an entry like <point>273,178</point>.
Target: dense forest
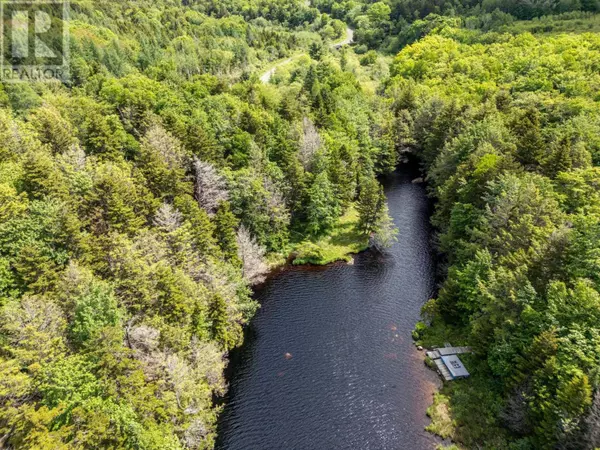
<point>498,100</point>
<point>141,201</point>
<point>507,129</point>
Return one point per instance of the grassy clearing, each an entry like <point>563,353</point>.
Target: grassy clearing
<point>342,242</point>
<point>438,334</point>
<point>567,23</point>
<point>441,421</point>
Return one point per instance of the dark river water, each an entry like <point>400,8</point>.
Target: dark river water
<point>354,379</point>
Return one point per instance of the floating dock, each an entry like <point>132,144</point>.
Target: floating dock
<point>448,363</point>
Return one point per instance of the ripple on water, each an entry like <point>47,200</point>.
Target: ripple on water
<point>353,379</point>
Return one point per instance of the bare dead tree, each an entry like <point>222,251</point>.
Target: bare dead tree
<point>168,218</point>
<point>74,158</point>
<point>252,255</point>
<point>144,338</point>
<point>211,188</point>
<point>167,146</point>
<point>275,199</point>
<point>311,143</point>
<point>591,425</point>
<point>144,341</point>
<point>180,377</point>
<point>210,363</point>
<point>195,434</point>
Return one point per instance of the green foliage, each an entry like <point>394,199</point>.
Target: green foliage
<point>370,205</point>
<point>419,330</point>
<point>369,58</point>
<point>394,23</point>
<point>121,278</point>
<point>122,285</point>
<point>218,317</point>
<point>262,209</point>
<point>226,224</point>
<point>93,310</point>
<point>512,174</point>
<point>323,207</point>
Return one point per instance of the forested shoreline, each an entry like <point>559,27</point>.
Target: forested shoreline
<point>140,202</point>
<point>506,127</point>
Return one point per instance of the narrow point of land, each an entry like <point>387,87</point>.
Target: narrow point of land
<point>339,244</point>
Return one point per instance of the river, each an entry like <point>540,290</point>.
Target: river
<point>329,362</point>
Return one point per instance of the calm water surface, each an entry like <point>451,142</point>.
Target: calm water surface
<point>354,379</point>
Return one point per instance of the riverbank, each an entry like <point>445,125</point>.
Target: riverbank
<point>328,361</point>
<point>464,411</point>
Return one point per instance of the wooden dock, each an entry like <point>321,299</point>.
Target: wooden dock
<point>444,372</point>
<point>447,351</point>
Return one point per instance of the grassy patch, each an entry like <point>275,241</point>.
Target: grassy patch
<point>343,241</point>
<point>441,421</point>
<point>438,334</point>
<point>466,412</point>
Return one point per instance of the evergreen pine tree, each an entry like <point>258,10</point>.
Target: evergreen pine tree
<point>226,224</point>
<point>342,174</point>
<point>219,321</point>
<point>370,205</point>
<point>316,51</point>
<point>40,176</point>
<point>531,144</point>
<point>35,269</point>
<point>561,159</point>
<point>323,208</point>
<point>202,229</point>
<point>385,232</point>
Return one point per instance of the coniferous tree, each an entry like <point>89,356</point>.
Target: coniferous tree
<point>561,158</point>
<point>323,208</point>
<point>371,202</point>
<point>531,144</point>
<point>226,225</point>
<point>35,268</point>
<point>202,230</point>
<point>41,177</point>
<point>219,319</point>
<point>386,233</point>
<point>342,172</point>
